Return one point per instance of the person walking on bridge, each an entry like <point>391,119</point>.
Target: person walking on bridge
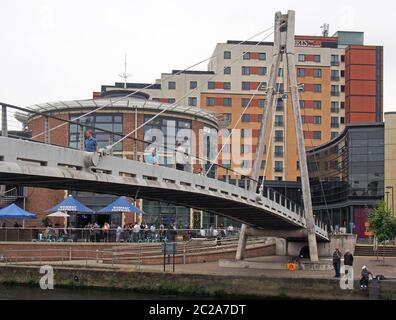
<point>90,143</point>
<point>181,156</point>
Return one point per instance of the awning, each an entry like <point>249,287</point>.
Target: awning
<point>59,214</point>
<point>70,204</point>
<point>120,205</point>
<point>15,212</point>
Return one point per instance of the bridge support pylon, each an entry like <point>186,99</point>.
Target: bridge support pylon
<point>284,43</point>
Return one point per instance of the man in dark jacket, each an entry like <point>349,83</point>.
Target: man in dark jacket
<point>348,258</point>
<point>337,262</point>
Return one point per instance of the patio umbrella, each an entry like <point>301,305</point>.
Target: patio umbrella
<point>59,214</point>
<point>121,205</point>
<point>16,213</point>
<point>70,204</point>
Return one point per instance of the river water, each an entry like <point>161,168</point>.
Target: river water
<point>35,293</point>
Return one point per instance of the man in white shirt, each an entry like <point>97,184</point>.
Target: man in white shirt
<point>136,231</point>
<point>181,156</point>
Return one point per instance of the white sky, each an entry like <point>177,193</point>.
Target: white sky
<point>65,49</point>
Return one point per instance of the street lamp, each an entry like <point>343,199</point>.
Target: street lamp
<point>387,200</point>
<point>393,199</point>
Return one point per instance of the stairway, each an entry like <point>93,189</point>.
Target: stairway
<point>8,197</point>
<point>367,250</point>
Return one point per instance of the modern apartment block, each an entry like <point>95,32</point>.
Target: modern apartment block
<point>340,82</point>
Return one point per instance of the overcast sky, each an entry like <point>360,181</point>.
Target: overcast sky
<point>66,49</point>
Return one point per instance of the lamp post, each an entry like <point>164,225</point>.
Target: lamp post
<point>387,200</point>
<point>393,199</point>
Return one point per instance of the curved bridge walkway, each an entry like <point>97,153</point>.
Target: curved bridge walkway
<point>37,164</point>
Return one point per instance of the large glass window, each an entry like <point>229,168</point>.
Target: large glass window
<point>107,122</point>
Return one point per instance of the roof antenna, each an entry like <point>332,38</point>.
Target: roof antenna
<point>326,28</point>
<point>125,75</point>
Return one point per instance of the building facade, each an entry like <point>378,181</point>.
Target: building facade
<point>340,83</point>
<point>347,177</point>
<point>390,160</point>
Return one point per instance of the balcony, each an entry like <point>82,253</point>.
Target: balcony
<point>335,63</point>
<point>279,139</point>
<point>278,169</point>
<point>279,154</point>
<point>335,110</point>
<point>335,93</point>
<point>335,125</point>
<point>336,78</point>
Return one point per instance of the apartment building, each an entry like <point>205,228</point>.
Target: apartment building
<point>340,81</point>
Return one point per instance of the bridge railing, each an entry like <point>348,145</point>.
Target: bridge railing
<point>51,234</point>
<point>48,119</point>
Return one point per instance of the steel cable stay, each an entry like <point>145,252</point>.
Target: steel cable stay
<point>174,105</point>
<point>151,85</point>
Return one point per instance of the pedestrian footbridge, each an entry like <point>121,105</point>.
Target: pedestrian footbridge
<point>37,164</point>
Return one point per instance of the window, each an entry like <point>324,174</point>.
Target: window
<point>302,119</point>
<point>262,71</point>
<point>227,70</point>
<point>334,135</point>
<point>192,101</point>
<point>245,85</point>
<point>227,54</point>
<point>226,163</point>
<point>245,102</point>
<point>317,73</point>
<point>335,60</point>
<point>245,71</point>
<point>317,88</point>
<point>317,104</point>
<point>261,103</point>
<point>193,84</point>
<point>245,148</point>
<point>278,121</point>
<point>335,90</point>
<point>317,135</point>
<point>171,100</point>
<point>342,73</point>
<point>246,56</point>
<point>246,118</point>
<point>280,72</point>
<point>278,136</point>
<point>171,85</point>
<point>245,133</point>
<point>278,151</point>
<point>302,104</point>
<point>335,106</point>
<point>227,85</point>
<point>263,163</point>
<point>335,75</point>
<point>262,86</point>
<point>211,85</point>
<point>279,105</point>
<point>301,58</point>
<point>342,105</point>
<point>245,164</point>
<point>316,58</point>
<point>210,102</point>
<point>342,88</point>
<point>300,72</point>
<point>317,119</point>
<point>227,102</point>
<point>278,166</point>
<point>334,122</point>
<point>342,120</point>
<point>262,56</point>
<point>301,87</point>
<point>278,178</point>
<point>280,87</point>
<point>227,117</point>
<point>298,165</point>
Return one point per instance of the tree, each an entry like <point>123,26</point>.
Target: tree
<point>382,223</point>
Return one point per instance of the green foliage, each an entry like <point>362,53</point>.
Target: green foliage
<point>382,222</point>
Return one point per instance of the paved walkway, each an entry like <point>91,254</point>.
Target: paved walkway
<point>212,268</point>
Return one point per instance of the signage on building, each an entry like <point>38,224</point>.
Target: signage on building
<point>307,43</point>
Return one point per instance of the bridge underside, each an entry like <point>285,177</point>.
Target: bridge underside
<point>239,211</point>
